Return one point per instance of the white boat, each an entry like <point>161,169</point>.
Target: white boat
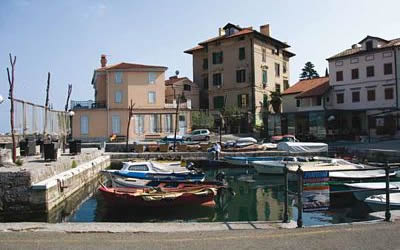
<point>245,141</point>
<point>369,188</point>
<point>378,202</point>
<point>360,175</point>
<point>246,160</point>
<point>277,167</point>
<point>303,147</point>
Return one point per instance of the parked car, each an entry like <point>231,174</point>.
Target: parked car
<point>198,135</point>
<point>170,139</point>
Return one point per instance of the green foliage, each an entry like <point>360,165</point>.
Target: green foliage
<point>19,162</point>
<point>74,164</point>
<point>232,115</point>
<point>202,120</point>
<point>308,72</point>
<point>276,101</point>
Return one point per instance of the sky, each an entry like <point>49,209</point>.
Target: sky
<point>67,38</point>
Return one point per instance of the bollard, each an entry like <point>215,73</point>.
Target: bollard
<point>286,199</point>
<point>300,197</point>
<point>387,212</point>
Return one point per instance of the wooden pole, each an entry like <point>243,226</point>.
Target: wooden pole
<point>46,106</point>
<point>176,120</point>
<point>68,96</point>
<point>11,95</point>
<point>129,123</point>
<point>66,109</point>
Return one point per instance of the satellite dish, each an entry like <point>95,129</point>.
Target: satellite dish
<point>177,72</point>
<point>1,99</point>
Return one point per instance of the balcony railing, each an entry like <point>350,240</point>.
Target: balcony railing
<point>87,105</point>
<point>185,105</point>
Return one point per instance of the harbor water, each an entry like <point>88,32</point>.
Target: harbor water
<point>257,198</point>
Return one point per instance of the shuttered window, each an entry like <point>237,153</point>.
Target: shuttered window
<point>84,125</point>
<point>118,97</point>
<point>139,124</point>
<point>118,77</point>
<point>218,102</point>
<point>116,124</point>
<point>243,100</point>
<point>152,77</point>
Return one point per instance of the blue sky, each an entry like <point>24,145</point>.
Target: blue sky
<point>66,38</point>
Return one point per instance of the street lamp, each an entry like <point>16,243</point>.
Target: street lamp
<point>1,99</point>
<point>71,114</point>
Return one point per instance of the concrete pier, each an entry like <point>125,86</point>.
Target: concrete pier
<point>38,186</point>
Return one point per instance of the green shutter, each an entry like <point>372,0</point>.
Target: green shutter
<point>239,99</point>
<point>214,57</point>
<point>247,100</point>
<point>222,57</point>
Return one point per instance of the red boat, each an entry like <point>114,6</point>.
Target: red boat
<point>183,194</point>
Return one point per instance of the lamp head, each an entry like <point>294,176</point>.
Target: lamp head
<point>71,113</point>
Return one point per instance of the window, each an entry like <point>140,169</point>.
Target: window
<point>387,68</point>
<point>319,101</point>
<point>139,168</point>
<point>355,96</point>
<point>218,57</point>
<point>340,98</point>
<point>205,82</point>
<point>84,125</point>
<point>242,53</point>
<point>118,77</point>
<point>118,97</point>
<point>388,93</point>
<point>152,77</point>
<point>116,124</point>
<point>243,100</point>
<point>264,77</point>
<point>277,69</point>
<point>187,87</point>
<point>205,63</point>
<point>284,67</point>
<point>297,102</point>
<point>265,101</point>
<point>241,75</point>
<point>285,84</point>
<point>151,97</point>
<point>339,76</point>
<point>154,123</point>
<point>264,55</point>
<point>370,71</point>
<point>139,124</point>
<point>278,88</point>
<point>217,79</point>
<point>218,102</point>
<point>371,95</point>
<point>354,74</point>
<point>369,45</point>
<point>168,123</point>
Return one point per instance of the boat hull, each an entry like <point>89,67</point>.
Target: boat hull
<point>204,197</point>
<point>378,202</point>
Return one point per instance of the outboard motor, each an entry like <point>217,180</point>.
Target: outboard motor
<point>190,166</point>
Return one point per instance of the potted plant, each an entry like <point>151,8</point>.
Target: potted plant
<point>276,101</point>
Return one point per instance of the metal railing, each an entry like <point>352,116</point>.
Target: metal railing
<point>388,167</point>
<point>87,105</point>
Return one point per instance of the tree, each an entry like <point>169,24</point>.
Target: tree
<point>308,72</point>
<point>202,119</point>
<point>130,114</point>
<point>11,95</point>
<point>276,101</point>
<point>46,106</point>
<point>326,72</point>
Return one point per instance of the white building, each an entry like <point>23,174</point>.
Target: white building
<point>365,93</point>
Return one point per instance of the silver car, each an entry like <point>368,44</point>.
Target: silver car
<point>198,135</point>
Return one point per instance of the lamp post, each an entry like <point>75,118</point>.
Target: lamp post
<point>71,114</point>
<point>1,99</point>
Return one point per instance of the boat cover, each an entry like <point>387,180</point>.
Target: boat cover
<point>303,147</point>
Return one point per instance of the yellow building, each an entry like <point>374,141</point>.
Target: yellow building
<point>240,68</point>
<point>115,86</point>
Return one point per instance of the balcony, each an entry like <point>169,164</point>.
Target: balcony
<point>87,105</point>
<point>184,105</point>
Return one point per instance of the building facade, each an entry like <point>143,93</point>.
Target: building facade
<point>115,87</point>
<point>239,69</point>
<point>365,92</point>
<point>182,86</point>
<point>304,109</point>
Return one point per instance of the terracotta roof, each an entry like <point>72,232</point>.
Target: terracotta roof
<point>305,85</point>
<point>171,81</point>
<point>358,50</point>
<point>240,33</point>
<point>129,66</point>
<point>190,51</point>
<point>318,90</point>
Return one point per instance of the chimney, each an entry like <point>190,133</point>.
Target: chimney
<point>264,29</point>
<point>221,32</point>
<point>103,61</point>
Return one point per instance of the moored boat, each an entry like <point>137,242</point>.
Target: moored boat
<point>371,188</point>
<point>378,202</point>
<point>246,161</point>
<point>161,196</point>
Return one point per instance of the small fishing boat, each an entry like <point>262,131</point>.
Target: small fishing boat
<point>156,171</point>
<point>378,174</point>
<point>246,161</point>
<point>161,196</point>
<point>378,202</point>
<point>371,188</point>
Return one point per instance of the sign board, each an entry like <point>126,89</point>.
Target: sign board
<point>316,191</point>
